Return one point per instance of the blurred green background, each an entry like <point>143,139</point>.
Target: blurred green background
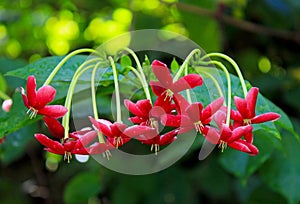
<point>263,36</point>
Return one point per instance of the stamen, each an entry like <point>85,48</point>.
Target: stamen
<point>247,121</point>
<point>199,126</point>
<point>118,141</point>
<point>155,147</point>
<point>68,156</point>
<point>222,145</point>
<point>106,154</point>
<point>169,94</point>
<point>32,112</point>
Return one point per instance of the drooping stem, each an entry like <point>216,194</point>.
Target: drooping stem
<point>185,63</point>
<point>146,90</point>
<point>68,101</point>
<point>235,66</point>
<point>140,69</point>
<point>64,60</point>
<point>117,89</point>
<point>214,81</point>
<point>94,102</point>
<point>188,93</point>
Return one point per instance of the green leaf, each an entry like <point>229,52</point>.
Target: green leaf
<point>3,85</point>
<point>241,164</point>
<point>125,61</point>
<point>42,68</point>
<point>16,118</point>
<point>282,171</point>
<point>174,66</point>
<point>15,143</point>
<point>82,187</point>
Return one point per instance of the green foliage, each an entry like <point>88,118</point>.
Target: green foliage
<point>82,187</point>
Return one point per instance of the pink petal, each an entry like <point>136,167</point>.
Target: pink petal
<point>44,96</point>
<point>55,111</point>
<point>54,127</point>
<point>242,107</point>
<point>31,90</point>
<point>187,82</point>
<point>157,88</point>
<point>162,73</point>
<point>6,105</point>
<point>194,111</point>
<point>86,139</point>
<point>98,148</point>
<point>211,109</point>
<point>265,117</point>
<point>236,116</point>
<point>181,103</point>
<point>211,135</point>
<point>54,145</point>
<point>136,120</point>
<point>220,118</point>
<point>251,100</point>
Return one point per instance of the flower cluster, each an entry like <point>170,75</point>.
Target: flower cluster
<point>216,122</point>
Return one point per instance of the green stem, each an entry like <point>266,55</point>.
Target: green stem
<point>188,93</point>
<point>100,136</point>
<point>220,65</point>
<point>214,81</point>
<point>64,60</point>
<point>140,69</point>
<point>117,90</point>
<point>68,101</point>
<point>185,63</point>
<point>3,95</point>
<point>235,66</point>
<point>146,90</point>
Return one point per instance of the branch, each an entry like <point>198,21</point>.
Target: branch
<point>241,24</point>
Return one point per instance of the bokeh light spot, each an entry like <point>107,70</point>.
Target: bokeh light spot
<point>3,32</point>
<point>13,48</point>
<point>264,64</point>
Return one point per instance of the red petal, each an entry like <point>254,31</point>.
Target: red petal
<point>162,73</point>
<point>240,145</point>
<point>54,127</point>
<point>194,111</point>
<point>24,97</point>
<point>136,130</point>
<point>47,142</point>
<point>55,111</point>
<point>176,120</point>
<point>117,129</point>
<point>136,120</point>
<point>211,109</point>
<point>98,148</point>
<point>31,90</point>
<point>211,135</point>
<point>239,132</point>
<point>133,108</point>
<point>187,82</point>
<point>81,151</point>
<point>145,106</point>
<point>157,88</point>
<point>181,103</point>
<point>168,137</point>
<point>44,96</point>
<point>69,145</point>
<point>220,118</point>
<point>265,117</point>
<point>225,133</point>
<point>242,107</point>
<point>103,126</point>
<point>236,116</point>
<point>86,139</point>
<point>251,100</point>
<point>55,151</point>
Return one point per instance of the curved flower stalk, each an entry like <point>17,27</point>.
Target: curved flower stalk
<point>217,122</point>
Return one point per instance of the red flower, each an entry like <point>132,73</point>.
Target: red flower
<point>232,138</point>
<point>54,127</point>
<point>74,145</point>
<point>245,113</point>
<point>118,133</point>
<point>147,115</point>
<point>36,101</point>
<point>156,140</point>
<point>165,83</point>
<point>194,116</point>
